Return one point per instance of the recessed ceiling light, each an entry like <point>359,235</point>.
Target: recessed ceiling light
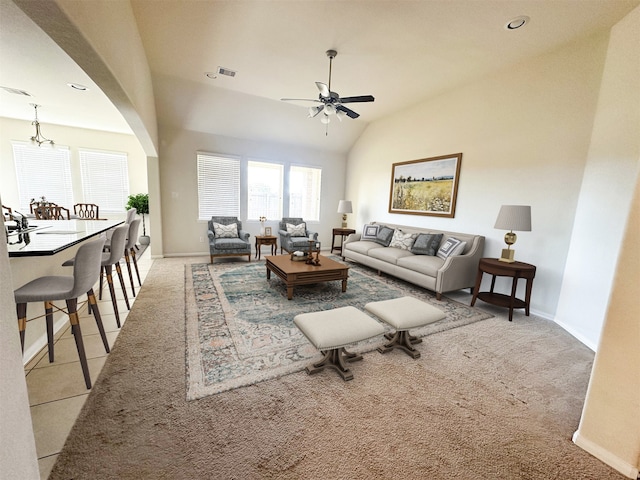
<point>517,22</point>
<point>77,86</point>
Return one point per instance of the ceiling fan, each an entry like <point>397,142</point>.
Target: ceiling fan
<point>330,103</point>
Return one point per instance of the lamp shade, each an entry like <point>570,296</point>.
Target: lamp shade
<point>345,206</point>
<point>514,217</point>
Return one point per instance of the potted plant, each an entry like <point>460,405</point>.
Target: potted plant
<point>140,202</point>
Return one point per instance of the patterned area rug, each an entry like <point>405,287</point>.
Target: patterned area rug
<point>240,328</point>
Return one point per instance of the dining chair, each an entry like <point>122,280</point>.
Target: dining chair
<point>87,211</point>
<point>47,289</point>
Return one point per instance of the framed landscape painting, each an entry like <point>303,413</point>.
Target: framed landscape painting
<point>426,187</point>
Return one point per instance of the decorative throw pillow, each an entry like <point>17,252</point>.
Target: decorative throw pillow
<point>384,236</point>
<point>225,231</point>
<point>452,246</point>
<point>369,232</point>
<point>299,230</point>
<point>402,240</point>
<point>426,244</point>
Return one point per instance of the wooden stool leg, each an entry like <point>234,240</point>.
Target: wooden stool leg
<point>128,262</point>
<point>72,307</point>
<point>101,276</point>
<point>48,310</point>
<point>96,314</point>
<point>335,359</point>
<point>124,290</point>
<point>21,310</point>
<point>135,264</point>
<point>112,291</point>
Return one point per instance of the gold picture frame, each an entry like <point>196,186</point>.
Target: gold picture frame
<point>426,187</point>
<point>267,231</point>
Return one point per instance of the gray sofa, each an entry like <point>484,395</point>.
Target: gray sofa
<point>228,246</point>
<point>428,271</point>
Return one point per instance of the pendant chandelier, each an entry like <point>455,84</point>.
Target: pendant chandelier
<point>38,138</point>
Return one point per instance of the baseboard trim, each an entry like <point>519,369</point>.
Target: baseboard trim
<point>577,335</point>
<point>625,468</point>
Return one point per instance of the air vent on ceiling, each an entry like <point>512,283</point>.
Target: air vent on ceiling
<point>16,91</point>
<point>226,71</point>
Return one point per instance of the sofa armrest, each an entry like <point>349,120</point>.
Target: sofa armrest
<point>210,234</point>
<point>284,233</point>
<point>353,237</point>
<point>243,235</point>
<point>315,235</point>
<point>460,271</point>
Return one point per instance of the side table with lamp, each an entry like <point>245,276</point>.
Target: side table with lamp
<point>510,217</point>
<point>344,207</point>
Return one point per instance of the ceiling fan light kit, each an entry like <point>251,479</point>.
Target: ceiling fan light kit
<point>331,104</point>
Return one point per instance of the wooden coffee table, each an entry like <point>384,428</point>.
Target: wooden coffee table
<point>299,273</point>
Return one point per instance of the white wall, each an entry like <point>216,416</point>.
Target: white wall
<point>183,231</point>
<point>524,134</point>
<point>610,424</point>
<point>607,188</point>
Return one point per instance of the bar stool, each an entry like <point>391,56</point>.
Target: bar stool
<point>86,270</point>
<point>131,214</point>
<point>110,259</point>
<point>130,252</point>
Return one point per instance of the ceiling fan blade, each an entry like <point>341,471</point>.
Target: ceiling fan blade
<point>348,111</point>
<point>324,90</point>
<point>362,98</point>
<point>300,100</point>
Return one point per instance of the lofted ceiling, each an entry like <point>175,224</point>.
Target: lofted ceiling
<point>402,52</point>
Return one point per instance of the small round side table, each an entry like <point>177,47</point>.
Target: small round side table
<point>515,270</point>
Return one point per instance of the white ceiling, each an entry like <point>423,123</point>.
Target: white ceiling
<point>401,52</point>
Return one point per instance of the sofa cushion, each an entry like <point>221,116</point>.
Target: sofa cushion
<point>402,240</point>
<point>451,246</point>
<point>299,230</point>
<point>225,231</point>
<point>426,244</point>
<point>361,246</point>
<point>370,232</point>
<point>425,264</point>
<point>389,255</point>
<point>384,236</point>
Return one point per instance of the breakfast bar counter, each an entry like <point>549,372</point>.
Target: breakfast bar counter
<point>49,237</point>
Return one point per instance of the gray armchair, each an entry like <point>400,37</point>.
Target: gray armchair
<point>228,246</point>
<point>291,243</point>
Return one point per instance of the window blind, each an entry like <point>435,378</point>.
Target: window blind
<point>43,172</point>
<point>105,179</point>
<point>218,186</point>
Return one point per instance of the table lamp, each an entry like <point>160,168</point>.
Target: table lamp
<point>512,217</point>
<point>344,207</point>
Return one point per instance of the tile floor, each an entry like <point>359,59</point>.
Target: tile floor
<point>56,390</point>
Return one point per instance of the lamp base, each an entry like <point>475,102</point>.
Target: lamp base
<point>344,220</point>
<point>507,255</point>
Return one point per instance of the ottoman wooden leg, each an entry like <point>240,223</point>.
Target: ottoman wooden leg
<point>401,340</point>
<point>414,340</point>
<point>335,359</point>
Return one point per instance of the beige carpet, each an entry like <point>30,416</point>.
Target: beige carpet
<point>493,399</point>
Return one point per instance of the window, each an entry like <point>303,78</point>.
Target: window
<point>105,180</point>
<point>43,172</point>
<point>218,186</point>
<point>304,192</point>
<point>265,182</point>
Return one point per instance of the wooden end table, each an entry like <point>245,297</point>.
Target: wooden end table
<point>340,232</point>
<point>515,270</point>
<point>266,240</point>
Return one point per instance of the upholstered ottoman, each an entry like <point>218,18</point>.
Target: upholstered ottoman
<point>402,314</point>
<point>330,331</point>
